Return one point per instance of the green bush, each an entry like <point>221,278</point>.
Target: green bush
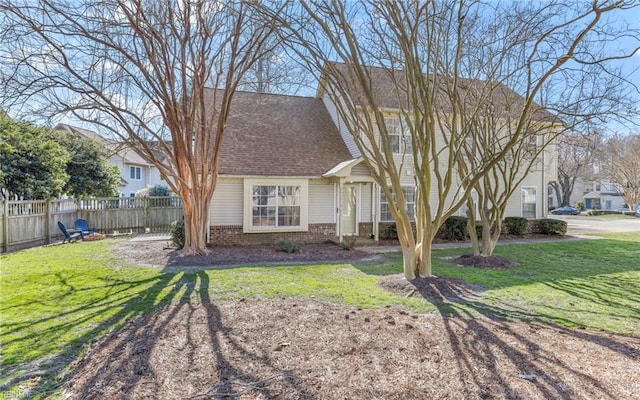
<point>388,232</point>
<point>349,242</point>
<point>479,230</point>
<point>580,205</point>
<point>455,228</point>
<point>289,247</point>
<point>549,226</point>
<point>516,225</point>
<point>176,231</point>
<point>154,191</point>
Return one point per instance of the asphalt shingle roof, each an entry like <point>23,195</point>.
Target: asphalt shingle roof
<point>277,135</point>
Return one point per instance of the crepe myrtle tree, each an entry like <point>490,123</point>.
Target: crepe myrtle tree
<point>620,163</point>
<point>159,75</point>
<point>581,95</point>
<point>420,50</point>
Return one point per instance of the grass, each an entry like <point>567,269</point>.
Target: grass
<point>56,300</point>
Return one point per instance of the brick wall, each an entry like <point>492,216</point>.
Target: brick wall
<point>232,235</point>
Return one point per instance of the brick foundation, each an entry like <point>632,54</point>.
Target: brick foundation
<point>232,235</point>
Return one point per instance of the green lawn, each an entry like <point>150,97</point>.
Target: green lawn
<point>55,300</point>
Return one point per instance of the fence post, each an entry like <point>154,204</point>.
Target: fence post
<point>47,221</point>
<point>5,225</point>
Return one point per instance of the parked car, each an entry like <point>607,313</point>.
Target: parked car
<point>565,211</point>
<point>638,210</point>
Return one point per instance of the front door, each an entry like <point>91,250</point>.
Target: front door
<point>348,204</point>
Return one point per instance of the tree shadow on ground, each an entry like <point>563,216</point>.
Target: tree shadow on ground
<point>127,297</point>
<point>489,339</point>
<point>187,327</point>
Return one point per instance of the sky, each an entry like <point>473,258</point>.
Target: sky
<point>630,66</point>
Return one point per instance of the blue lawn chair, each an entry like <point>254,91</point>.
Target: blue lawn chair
<point>83,226</point>
<point>69,234</point>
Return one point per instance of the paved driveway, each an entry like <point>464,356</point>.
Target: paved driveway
<point>582,224</point>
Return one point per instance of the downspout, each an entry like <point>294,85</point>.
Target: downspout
<point>374,210</point>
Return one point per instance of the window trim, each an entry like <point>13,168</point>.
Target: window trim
<point>248,227</point>
<point>135,173</point>
<point>380,203</point>
<point>404,138</point>
<point>535,189</point>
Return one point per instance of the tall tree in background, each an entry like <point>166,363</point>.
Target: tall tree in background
<point>90,174</point>
<point>139,70</point>
<point>576,157</point>
<point>32,162</point>
<point>421,53</point>
<point>277,72</point>
<point>619,160</point>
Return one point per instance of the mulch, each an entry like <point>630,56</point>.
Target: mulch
<point>163,253</point>
<point>295,348</point>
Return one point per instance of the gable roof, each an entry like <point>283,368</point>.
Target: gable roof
<point>278,135</point>
<point>384,87</point>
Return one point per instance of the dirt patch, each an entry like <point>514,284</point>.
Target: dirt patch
<point>308,349</point>
<point>433,288</point>
<point>162,253</point>
<point>491,262</point>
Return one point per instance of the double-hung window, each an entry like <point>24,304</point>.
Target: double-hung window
<point>410,198</point>
<point>528,201</point>
<point>135,173</point>
<point>275,206</point>
<point>399,142</point>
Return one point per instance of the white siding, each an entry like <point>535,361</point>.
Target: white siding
<point>365,202</point>
<point>360,170</point>
<point>227,202</point>
<point>322,204</point>
<point>347,138</point>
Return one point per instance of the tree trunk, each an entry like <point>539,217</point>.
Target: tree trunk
<point>196,223</point>
<point>490,239</point>
<point>423,257</point>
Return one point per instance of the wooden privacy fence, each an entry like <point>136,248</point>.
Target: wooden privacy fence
<point>31,223</point>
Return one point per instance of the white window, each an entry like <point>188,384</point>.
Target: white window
<point>410,197</point>
<point>528,201</point>
<point>399,141</point>
<point>135,173</point>
<point>275,206</point>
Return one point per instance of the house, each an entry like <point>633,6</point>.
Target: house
<point>135,172</point>
<point>289,170</point>
<point>604,195</point>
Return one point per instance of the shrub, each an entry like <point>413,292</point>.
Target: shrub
<point>455,228</point>
<point>516,225</point>
<point>389,232</point>
<point>289,247</point>
<point>479,229</point>
<point>349,242</point>
<point>549,226</point>
<point>176,231</point>
<point>580,205</point>
<point>154,191</point>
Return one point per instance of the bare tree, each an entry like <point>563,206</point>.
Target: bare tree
<point>422,69</point>
<point>139,70</point>
<point>620,162</point>
<point>276,71</point>
<point>597,91</point>
<point>576,157</point>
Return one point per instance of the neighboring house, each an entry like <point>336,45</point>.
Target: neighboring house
<point>595,195</point>
<point>135,172</point>
<point>604,195</point>
<point>289,170</point>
